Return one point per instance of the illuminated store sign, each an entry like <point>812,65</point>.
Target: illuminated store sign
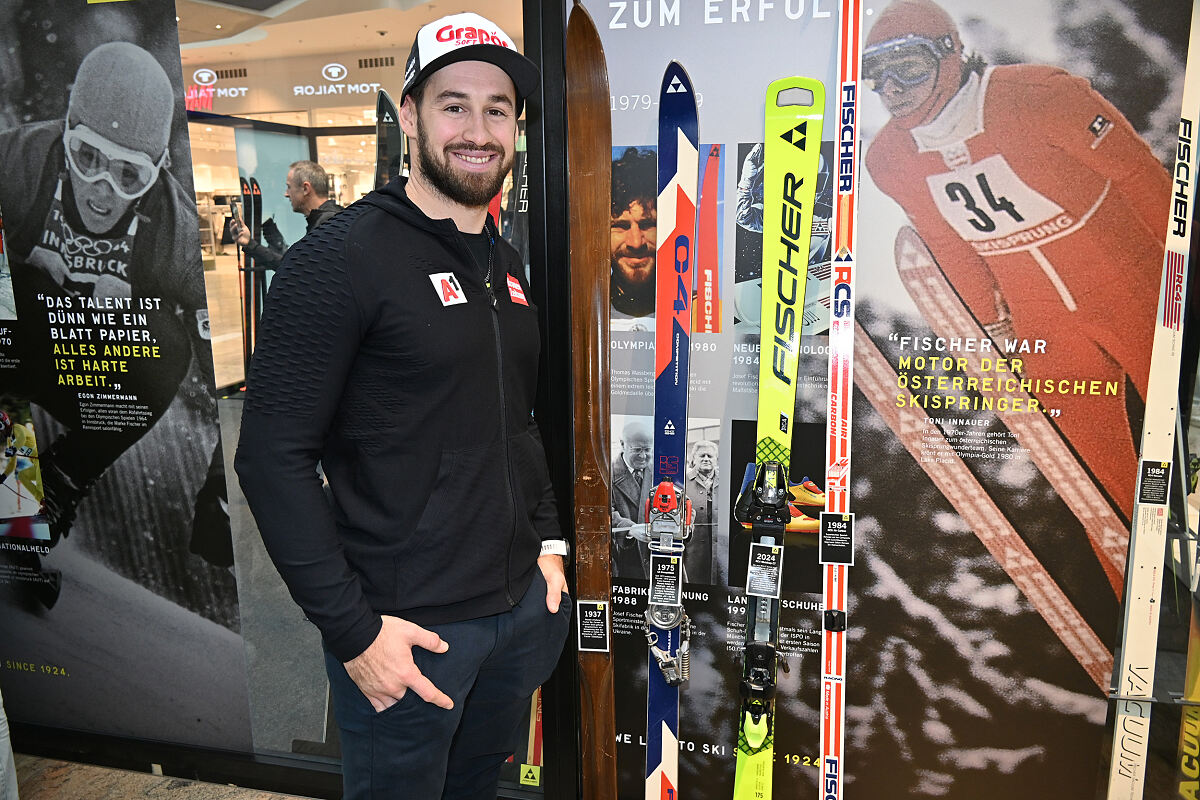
<point>335,75</point>
<point>200,95</point>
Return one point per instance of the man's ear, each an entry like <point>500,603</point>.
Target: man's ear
<point>408,116</point>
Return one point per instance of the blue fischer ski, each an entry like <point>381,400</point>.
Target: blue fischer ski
<point>668,513</point>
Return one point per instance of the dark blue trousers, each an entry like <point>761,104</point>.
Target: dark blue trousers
<point>416,750</point>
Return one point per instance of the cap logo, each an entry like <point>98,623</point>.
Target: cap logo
<point>463,36</point>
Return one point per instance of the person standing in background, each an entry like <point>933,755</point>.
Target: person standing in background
<point>307,189</point>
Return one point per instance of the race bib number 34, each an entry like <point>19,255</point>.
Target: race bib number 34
<point>987,200</point>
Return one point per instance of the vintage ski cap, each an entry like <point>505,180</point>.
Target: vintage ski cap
<point>468,37</point>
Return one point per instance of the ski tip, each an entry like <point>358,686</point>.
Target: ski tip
<point>582,21</point>
<point>796,95</point>
<point>583,43</point>
<point>676,82</point>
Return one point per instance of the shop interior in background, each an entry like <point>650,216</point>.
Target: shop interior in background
<point>267,84</point>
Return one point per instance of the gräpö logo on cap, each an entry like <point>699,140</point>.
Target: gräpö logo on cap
<point>465,36</point>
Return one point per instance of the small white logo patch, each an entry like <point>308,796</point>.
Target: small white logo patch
<point>448,289</point>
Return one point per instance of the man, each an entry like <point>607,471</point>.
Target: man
<point>1044,208</point>
<point>700,555</point>
<point>632,480</point>
<point>93,218</point>
<point>307,189</point>
<point>399,350</point>
<point>633,239</point>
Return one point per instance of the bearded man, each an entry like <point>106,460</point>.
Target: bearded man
<point>400,350</point>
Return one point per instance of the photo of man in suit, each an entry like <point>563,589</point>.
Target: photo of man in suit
<point>632,477</point>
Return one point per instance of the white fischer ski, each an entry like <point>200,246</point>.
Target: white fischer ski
<point>836,547</point>
<point>1134,676</point>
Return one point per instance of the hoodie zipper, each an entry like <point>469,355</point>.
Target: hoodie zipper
<point>495,316</point>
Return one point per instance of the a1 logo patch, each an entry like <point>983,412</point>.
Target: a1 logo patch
<point>448,289</point>
<point>514,291</point>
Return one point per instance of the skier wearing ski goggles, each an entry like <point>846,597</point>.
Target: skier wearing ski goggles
<point>90,212</point>
<point>909,61</point>
<point>905,72</point>
<point>1043,205</point>
<point>93,158</point>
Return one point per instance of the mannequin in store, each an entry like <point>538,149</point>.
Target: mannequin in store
<point>307,189</point>
<point>1043,206</point>
<point>399,349</point>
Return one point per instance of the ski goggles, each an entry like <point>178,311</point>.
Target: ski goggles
<point>94,158</point>
<point>909,62</point>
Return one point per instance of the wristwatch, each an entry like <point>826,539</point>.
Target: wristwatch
<point>556,547</point>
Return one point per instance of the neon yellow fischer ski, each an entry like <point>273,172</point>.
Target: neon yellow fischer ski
<point>795,107</point>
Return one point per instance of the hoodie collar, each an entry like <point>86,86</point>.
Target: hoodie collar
<point>393,199</point>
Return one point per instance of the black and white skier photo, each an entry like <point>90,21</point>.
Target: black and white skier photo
<point>110,347</point>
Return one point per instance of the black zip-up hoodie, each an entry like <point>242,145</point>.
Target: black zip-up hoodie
<point>383,356</point>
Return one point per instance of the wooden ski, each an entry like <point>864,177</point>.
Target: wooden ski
<point>589,170</point>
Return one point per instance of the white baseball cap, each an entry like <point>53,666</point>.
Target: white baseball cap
<point>468,37</point>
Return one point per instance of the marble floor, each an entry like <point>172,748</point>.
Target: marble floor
<point>47,779</point>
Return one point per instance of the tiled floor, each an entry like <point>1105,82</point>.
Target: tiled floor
<point>46,779</point>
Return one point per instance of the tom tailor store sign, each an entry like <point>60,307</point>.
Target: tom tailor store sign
<point>273,86</point>
<point>335,76</point>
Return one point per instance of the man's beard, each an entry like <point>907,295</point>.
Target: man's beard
<point>472,190</point>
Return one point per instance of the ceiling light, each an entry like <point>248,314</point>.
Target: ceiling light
<point>208,129</point>
<point>218,26</point>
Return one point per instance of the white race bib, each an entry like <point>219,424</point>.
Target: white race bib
<point>986,200</point>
